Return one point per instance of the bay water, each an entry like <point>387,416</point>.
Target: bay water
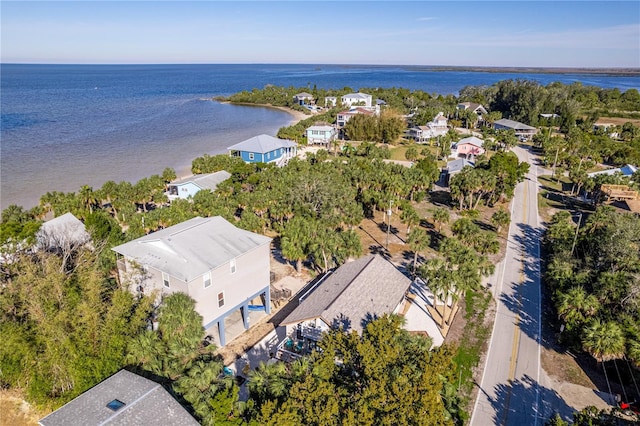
<point>64,126</point>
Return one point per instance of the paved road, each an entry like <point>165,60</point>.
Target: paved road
<point>510,391</point>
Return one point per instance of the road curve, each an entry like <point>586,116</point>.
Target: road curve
<point>509,391</point>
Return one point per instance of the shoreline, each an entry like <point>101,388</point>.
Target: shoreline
<point>298,116</point>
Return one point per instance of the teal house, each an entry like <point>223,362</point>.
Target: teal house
<point>264,149</point>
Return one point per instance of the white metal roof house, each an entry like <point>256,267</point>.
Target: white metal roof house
<point>360,99</point>
<point>65,232</point>
<point>354,294</point>
<point>522,130</point>
<point>322,135</point>
<point>627,170</point>
<point>223,268</point>
<point>264,149</point>
<point>190,186</point>
<point>122,399</point>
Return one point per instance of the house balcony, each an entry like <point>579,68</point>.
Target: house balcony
<point>302,342</point>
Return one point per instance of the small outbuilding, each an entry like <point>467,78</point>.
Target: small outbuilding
<point>190,186</point>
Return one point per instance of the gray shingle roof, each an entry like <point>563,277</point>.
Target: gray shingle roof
<point>368,287</point>
<point>262,144</point>
<point>146,403</point>
<point>191,248</point>
<point>302,95</point>
<point>457,165</point>
<point>515,125</point>
<point>205,181</point>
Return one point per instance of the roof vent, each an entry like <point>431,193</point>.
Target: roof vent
<point>116,404</point>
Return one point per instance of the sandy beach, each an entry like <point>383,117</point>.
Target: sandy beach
<point>298,116</point>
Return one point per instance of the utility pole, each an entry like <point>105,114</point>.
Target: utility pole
<point>388,224</point>
<point>575,237</point>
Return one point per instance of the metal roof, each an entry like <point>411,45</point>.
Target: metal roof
<point>356,292</point>
<point>457,165</point>
<point>262,144</point>
<point>66,228</point>
<point>321,128</point>
<point>472,140</point>
<point>204,181</point>
<point>357,96</point>
<point>191,248</point>
<point>145,403</point>
<point>516,125</point>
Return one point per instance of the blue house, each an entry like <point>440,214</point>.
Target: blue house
<point>264,149</point>
<point>188,187</point>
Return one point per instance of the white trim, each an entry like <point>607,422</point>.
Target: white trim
<point>206,277</point>
<point>165,280</point>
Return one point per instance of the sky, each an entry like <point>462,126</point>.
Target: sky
<point>598,34</point>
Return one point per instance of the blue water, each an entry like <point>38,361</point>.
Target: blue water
<point>68,125</point>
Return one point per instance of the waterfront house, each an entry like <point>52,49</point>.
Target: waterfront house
<point>122,399</point>
<point>223,268</point>
<point>321,134</point>
<point>190,186</point>
<point>303,98</point>
<point>343,117</point>
<point>468,147</point>
<point>330,101</point>
<point>521,130</point>
<point>64,233</point>
<point>357,99</point>
<point>264,149</point>
<point>350,297</point>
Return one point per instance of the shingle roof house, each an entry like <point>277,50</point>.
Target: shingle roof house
<point>356,292</point>
<point>123,399</point>
<point>220,266</point>
<point>190,186</point>
<point>264,149</point>
<point>302,98</point>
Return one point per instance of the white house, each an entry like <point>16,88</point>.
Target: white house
<point>223,268</point>
<point>303,98</point>
<point>66,233</point>
<point>330,101</point>
<point>358,99</point>
<point>436,127</point>
<point>190,186</point>
<point>322,135</point>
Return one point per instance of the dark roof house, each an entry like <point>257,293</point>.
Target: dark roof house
<point>354,293</point>
<point>123,399</point>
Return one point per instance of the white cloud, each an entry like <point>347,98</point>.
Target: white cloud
<point>426,18</point>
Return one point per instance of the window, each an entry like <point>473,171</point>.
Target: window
<point>220,299</point>
<point>251,156</point>
<point>268,155</point>
<point>165,280</point>
<point>207,279</point>
<point>232,266</point>
<point>116,404</point>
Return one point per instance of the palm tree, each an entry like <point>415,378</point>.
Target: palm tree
<point>440,215</point>
<point>604,341</point>
<point>576,306</point>
<point>418,240</point>
<point>501,218</point>
<point>409,217</point>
